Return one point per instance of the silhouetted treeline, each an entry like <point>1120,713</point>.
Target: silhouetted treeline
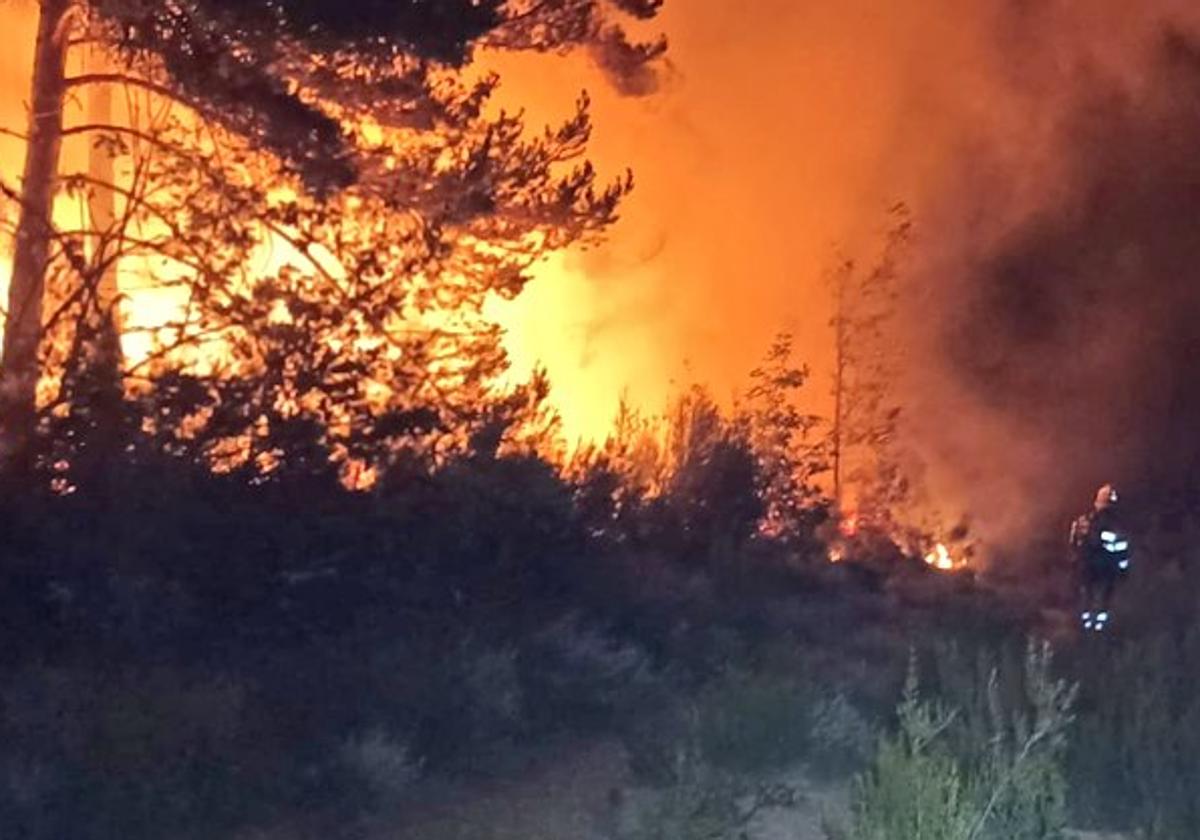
<point>192,645</point>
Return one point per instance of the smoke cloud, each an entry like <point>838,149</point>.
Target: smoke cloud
<point>1047,148</point>
<point>1060,337</point>
<point>634,69</point>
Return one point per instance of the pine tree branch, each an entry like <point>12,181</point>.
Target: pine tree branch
<point>126,80</point>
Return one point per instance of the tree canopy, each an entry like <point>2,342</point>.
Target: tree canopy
<point>330,201</point>
<point>268,69</point>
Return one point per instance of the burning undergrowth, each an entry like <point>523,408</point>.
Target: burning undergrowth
<point>846,489</point>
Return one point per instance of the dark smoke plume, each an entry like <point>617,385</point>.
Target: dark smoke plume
<point>1064,349</point>
<point>634,69</point>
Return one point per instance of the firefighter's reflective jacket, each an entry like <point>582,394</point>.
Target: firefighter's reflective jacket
<point>1100,543</point>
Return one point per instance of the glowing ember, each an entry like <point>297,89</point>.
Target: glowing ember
<point>940,558</point>
<point>848,526</point>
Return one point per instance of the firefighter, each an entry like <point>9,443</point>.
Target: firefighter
<point>1102,554</point>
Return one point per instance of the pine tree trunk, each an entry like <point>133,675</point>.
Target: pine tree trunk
<point>106,232</point>
<point>839,391</point>
<point>101,200</point>
<point>19,365</point>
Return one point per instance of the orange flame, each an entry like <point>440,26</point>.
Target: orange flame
<point>940,558</point>
<point>848,525</point>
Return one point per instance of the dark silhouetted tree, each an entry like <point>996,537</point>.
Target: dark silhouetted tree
<point>790,455</point>
<point>344,134</point>
<point>348,141</point>
<point>867,401</point>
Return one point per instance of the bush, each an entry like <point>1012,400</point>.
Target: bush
<point>751,724</point>
<point>131,754</point>
<point>383,766</point>
<point>840,737</point>
<point>701,801</point>
<point>584,678</point>
<point>464,710</point>
<point>1134,762</point>
<point>938,780</point>
<point>762,723</point>
<point>494,696</point>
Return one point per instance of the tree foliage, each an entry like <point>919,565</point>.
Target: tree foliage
<point>791,456</point>
<point>270,70</point>
<point>867,403</point>
<point>326,201</point>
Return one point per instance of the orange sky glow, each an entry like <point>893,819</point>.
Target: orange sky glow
<point>766,148</point>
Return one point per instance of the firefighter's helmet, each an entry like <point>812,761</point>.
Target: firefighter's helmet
<point>1106,496</point>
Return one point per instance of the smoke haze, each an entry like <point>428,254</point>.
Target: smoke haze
<point>1059,265</point>
<point>1047,148</point>
<point>1048,151</point>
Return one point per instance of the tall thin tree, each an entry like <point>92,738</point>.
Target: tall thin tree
<point>19,368</point>
<point>865,370</point>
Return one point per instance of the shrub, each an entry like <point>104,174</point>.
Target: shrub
<point>701,801</point>
<point>753,726</point>
<point>761,723</point>
<point>132,754</point>
<point>755,723</point>
<point>467,709</point>
<point>652,741</point>
<point>493,692</point>
<point>584,678</point>
<point>929,782</point>
<point>381,764</point>
<point>1134,762</point>
<point>840,737</point>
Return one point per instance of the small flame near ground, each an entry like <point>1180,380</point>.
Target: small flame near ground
<point>940,558</point>
<point>849,526</point>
